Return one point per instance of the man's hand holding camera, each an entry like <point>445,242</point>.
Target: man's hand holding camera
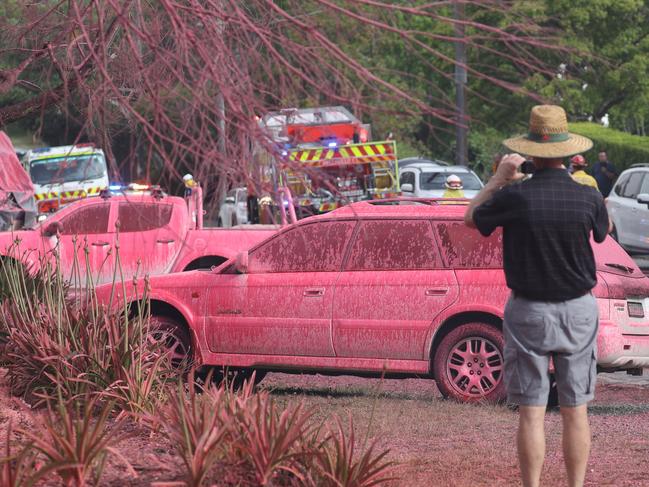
<point>508,170</point>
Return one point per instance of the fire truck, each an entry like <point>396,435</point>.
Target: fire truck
<point>323,158</point>
<point>64,174</point>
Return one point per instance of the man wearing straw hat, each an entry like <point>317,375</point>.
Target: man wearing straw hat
<point>549,266</point>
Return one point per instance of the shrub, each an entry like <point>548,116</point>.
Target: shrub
<point>74,346</point>
<point>221,431</point>
<point>20,468</point>
<point>197,426</point>
<point>340,466</point>
<point>270,438</point>
<point>74,443</point>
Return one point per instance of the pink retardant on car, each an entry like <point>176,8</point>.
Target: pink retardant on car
<point>400,287</point>
<point>155,235</point>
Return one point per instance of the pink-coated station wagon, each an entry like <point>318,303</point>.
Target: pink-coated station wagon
<point>396,287</point>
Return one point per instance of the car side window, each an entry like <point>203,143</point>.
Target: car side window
<point>394,245</point>
<point>313,247</point>
<point>644,188</point>
<point>140,217</point>
<point>621,183</point>
<point>87,220</point>
<point>464,247</point>
<point>632,188</point>
<point>407,178</point>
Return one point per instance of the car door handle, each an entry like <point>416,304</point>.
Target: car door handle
<point>165,240</point>
<point>100,244</point>
<point>437,291</point>
<point>314,293</point>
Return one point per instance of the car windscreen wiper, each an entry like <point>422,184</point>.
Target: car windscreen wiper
<point>621,267</point>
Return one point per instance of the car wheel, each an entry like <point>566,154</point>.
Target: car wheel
<point>468,364</point>
<point>176,339</point>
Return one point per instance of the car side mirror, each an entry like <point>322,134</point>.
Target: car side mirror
<point>241,262</point>
<point>52,229</point>
<point>407,188</point>
<point>229,199</point>
<point>643,198</point>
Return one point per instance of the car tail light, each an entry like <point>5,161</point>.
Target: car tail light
<point>635,310</point>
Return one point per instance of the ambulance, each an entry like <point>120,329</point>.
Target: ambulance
<point>64,174</point>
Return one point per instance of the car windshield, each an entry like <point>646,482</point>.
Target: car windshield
<point>66,169</point>
<point>435,180</point>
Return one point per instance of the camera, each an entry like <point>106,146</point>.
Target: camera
<point>528,167</point>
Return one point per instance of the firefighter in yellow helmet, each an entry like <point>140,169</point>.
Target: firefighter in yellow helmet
<point>578,164</point>
<point>454,188</point>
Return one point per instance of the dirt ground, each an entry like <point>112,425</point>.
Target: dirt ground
<point>436,442</point>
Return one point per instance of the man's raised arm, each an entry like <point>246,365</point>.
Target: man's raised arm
<point>506,173</point>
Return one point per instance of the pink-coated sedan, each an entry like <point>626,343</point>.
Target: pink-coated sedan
<point>386,287</point>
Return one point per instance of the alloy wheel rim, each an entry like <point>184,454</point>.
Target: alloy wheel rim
<point>474,367</point>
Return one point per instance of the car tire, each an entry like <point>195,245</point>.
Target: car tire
<point>468,364</point>
<point>177,339</point>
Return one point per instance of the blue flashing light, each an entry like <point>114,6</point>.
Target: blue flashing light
<point>284,153</point>
<point>332,144</point>
<point>115,187</point>
<point>40,150</point>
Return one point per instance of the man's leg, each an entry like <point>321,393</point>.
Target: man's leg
<point>531,444</point>
<point>576,443</point>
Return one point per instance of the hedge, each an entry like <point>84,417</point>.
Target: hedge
<point>623,149</point>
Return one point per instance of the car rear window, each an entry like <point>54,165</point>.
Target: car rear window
<point>140,217</point>
<point>395,245</point>
<point>464,247</point>
<point>314,247</point>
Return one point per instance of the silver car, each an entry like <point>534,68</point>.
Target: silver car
<point>628,208</point>
<point>426,180</point>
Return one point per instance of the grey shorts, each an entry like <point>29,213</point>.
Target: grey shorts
<point>537,331</point>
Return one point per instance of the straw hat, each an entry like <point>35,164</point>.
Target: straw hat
<point>548,135</point>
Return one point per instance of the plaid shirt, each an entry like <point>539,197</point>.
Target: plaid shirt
<point>547,221</point>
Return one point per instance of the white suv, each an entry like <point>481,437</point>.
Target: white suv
<point>426,180</point>
<point>628,207</point>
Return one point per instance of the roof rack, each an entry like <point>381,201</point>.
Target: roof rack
<point>413,201</point>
